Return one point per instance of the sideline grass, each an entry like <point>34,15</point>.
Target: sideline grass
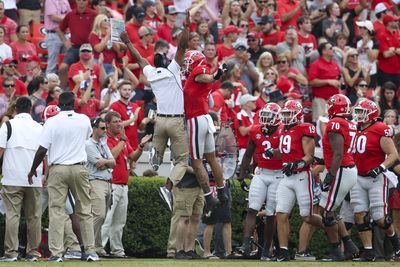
<point>194,263</point>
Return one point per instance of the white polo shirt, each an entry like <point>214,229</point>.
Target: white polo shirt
<point>65,135</point>
<point>20,151</point>
<point>167,87</point>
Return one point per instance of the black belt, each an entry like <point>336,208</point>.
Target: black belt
<point>107,181</point>
<point>51,31</point>
<point>78,163</point>
<point>171,115</point>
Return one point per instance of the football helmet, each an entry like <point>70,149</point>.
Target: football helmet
<point>269,115</point>
<point>365,111</point>
<point>50,111</point>
<point>292,112</point>
<point>339,105</point>
<point>193,58</point>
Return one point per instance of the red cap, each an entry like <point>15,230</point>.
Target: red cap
<point>231,29</point>
<point>33,58</point>
<point>9,60</point>
<point>389,18</point>
<point>253,34</point>
<point>284,84</point>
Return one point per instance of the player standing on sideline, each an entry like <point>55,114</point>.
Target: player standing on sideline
<point>374,153</point>
<point>201,126</point>
<point>338,142</point>
<point>266,179</point>
<point>296,148</point>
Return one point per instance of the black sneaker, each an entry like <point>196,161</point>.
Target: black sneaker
<point>245,249</point>
<point>267,255</point>
<point>181,255</point>
<point>350,250</point>
<point>335,255</point>
<point>367,255</point>
<point>55,259</point>
<point>210,206</point>
<point>283,255</point>
<point>193,255</point>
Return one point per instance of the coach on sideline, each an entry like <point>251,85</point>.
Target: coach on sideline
<point>64,138</point>
<point>165,81</point>
<point>19,139</point>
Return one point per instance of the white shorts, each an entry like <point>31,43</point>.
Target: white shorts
<point>345,179</point>
<point>263,188</point>
<point>347,212</point>
<point>370,194</point>
<point>298,187</point>
<point>201,136</point>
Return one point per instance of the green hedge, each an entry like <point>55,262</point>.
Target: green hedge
<point>147,228</point>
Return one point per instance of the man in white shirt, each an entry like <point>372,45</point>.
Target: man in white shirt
<point>19,139</point>
<point>64,138</point>
<point>165,81</point>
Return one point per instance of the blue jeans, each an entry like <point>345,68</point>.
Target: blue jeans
<point>54,47</point>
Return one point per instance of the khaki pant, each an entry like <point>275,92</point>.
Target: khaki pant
<point>75,178</point>
<point>16,197</point>
<point>115,221</point>
<point>173,129</point>
<point>100,194</point>
<point>319,108</point>
<point>26,15</point>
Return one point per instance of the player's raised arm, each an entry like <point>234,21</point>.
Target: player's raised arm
<point>183,42</point>
<point>133,51</point>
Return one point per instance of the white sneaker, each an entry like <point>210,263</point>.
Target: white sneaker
<point>73,255</point>
<point>92,257</point>
<point>6,259</point>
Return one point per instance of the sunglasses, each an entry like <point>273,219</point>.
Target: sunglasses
<point>354,55</point>
<point>9,85</point>
<point>281,62</point>
<point>45,82</point>
<point>244,26</point>
<point>102,128</point>
<point>271,4</point>
<point>251,40</point>
<point>86,51</point>
<point>363,85</point>
<point>269,73</point>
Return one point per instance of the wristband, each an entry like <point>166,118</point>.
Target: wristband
<point>383,166</point>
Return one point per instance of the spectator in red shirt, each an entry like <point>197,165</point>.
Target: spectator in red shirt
<point>134,16</point>
<point>222,101</point>
<point>226,49</point>
<point>324,79</point>
<point>165,30</point>
<point>290,11</point>
<point>131,113</point>
<point>389,52</point>
<point>270,35</point>
<point>79,21</point>
<point>100,39</point>
<point>9,70</point>
<point>245,119</point>
<point>9,25</point>
<point>84,68</point>
<point>152,18</point>
<point>22,48</point>
<point>305,38</point>
<point>381,10</point>
<point>298,82</point>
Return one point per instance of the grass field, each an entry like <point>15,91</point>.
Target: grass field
<point>195,263</point>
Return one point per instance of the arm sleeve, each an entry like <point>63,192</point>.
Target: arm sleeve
<point>92,153</point>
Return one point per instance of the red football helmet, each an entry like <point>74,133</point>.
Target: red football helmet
<point>269,114</point>
<point>193,58</point>
<point>365,111</point>
<point>50,111</point>
<point>292,112</point>
<point>339,105</point>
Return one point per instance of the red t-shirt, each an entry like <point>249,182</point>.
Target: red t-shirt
<point>90,109</point>
<point>219,105</point>
<point>348,130</point>
<point>308,42</point>
<point>390,65</point>
<point>291,144</point>
<point>133,32</point>
<point>223,51</point>
<point>20,88</point>
<point>120,173</point>
<point>287,6</point>
<point>379,27</point>
<point>10,27</point>
<point>322,69</point>
<point>196,94</point>
<point>260,103</point>
<point>273,38</point>
<point>245,121</point>
<point>108,53</point>
<point>369,153</point>
<point>126,111</point>
<point>21,52</point>
<point>79,24</point>
<point>165,32</point>
<point>263,143</point>
<point>144,52</point>
<point>74,70</point>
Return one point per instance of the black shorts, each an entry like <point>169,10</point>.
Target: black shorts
<point>71,55</point>
<point>222,214</point>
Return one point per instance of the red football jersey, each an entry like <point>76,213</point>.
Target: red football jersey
<point>348,130</point>
<point>196,94</point>
<point>290,142</point>
<point>262,143</point>
<point>369,153</point>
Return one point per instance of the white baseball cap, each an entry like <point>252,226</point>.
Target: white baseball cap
<point>367,24</point>
<point>381,7</point>
<point>247,98</point>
